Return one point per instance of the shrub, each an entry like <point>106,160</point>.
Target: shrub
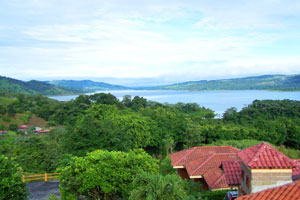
<point>11,185</point>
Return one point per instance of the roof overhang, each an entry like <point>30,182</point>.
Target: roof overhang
<point>196,176</point>
<point>178,167</point>
<point>271,170</point>
<point>218,189</point>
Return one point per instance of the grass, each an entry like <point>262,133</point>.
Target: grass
<point>5,101</point>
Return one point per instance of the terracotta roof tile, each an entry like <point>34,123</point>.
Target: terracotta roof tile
<point>183,157</point>
<point>232,171</point>
<point>264,155</point>
<point>215,179</point>
<point>200,166</point>
<point>289,191</point>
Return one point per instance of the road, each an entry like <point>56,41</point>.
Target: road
<point>41,190</point>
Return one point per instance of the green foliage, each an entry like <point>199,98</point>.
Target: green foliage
<point>11,185</point>
<point>104,174</point>
<point>52,197</point>
<point>241,144</point>
<point>215,195</point>
<point>158,187</point>
<point>13,127</point>
<point>106,127</point>
<point>35,153</point>
<point>274,121</point>
<point>166,167</point>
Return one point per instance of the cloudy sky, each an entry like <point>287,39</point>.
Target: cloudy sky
<point>170,39</point>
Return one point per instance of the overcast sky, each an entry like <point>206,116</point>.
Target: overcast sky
<point>172,39</point>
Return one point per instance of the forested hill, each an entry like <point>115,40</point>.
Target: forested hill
<point>34,87</point>
<point>266,82</point>
<point>87,85</point>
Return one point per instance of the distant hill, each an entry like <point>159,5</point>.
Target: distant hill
<point>266,82</point>
<point>87,85</point>
<point>35,87</point>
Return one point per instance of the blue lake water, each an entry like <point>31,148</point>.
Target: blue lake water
<point>218,101</point>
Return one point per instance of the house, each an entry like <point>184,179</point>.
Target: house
<point>202,165</point>
<point>23,127</point>
<point>264,167</point>
<point>42,131</point>
<point>2,132</point>
<point>290,191</point>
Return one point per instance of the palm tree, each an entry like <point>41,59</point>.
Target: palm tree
<point>158,187</point>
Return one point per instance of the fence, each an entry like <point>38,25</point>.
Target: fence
<point>43,177</point>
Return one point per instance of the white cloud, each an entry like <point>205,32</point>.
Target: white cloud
<point>186,40</point>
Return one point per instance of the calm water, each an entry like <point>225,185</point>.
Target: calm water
<point>218,101</point>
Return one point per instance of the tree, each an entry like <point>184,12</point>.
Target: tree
<point>107,127</point>
<point>230,114</point>
<point>11,185</point>
<point>158,187</point>
<point>105,175</point>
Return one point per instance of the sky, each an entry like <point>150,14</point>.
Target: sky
<point>169,40</point>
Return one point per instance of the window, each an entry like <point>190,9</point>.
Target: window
<point>243,175</point>
<point>248,181</point>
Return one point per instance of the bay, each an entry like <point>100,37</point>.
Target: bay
<point>218,101</point>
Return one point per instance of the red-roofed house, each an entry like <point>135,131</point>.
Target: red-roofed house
<point>202,165</point>
<point>264,167</point>
<point>289,191</point>
<point>23,127</point>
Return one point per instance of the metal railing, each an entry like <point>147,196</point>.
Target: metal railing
<point>43,177</point>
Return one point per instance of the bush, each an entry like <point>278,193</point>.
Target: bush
<point>11,185</point>
<point>104,174</point>
<point>13,127</point>
<point>2,127</point>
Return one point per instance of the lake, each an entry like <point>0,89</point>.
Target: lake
<point>218,101</point>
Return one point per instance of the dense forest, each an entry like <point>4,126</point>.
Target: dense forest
<point>130,139</point>
<point>265,82</point>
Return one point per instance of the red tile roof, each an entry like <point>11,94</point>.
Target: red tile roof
<point>200,166</point>
<point>296,171</point>
<point>289,191</point>
<point>264,155</point>
<point>232,171</point>
<point>181,158</point>
<point>215,179</point>
<point>23,127</point>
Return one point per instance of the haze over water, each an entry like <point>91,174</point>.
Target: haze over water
<point>218,101</point>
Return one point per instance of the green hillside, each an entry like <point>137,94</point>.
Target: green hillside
<point>87,85</point>
<point>266,82</point>
<point>34,87</point>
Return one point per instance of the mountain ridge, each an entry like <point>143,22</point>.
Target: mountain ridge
<point>11,85</point>
<point>263,82</point>
<point>87,85</point>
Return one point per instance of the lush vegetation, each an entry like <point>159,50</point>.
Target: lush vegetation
<point>104,175</point>
<point>34,87</point>
<point>87,85</point>
<point>11,185</point>
<point>103,146</point>
<point>266,82</point>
